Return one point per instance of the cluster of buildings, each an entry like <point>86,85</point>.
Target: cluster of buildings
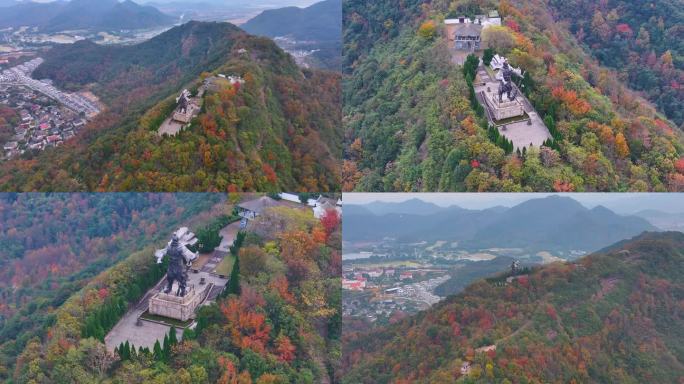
<point>466,33</point>
<point>47,116</point>
<point>253,208</point>
<point>41,123</point>
<point>300,50</point>
<point>374,293</point>
<point>21,76</point>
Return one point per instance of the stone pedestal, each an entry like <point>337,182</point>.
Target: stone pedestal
<point>505,109</point>
<point>175,307</point>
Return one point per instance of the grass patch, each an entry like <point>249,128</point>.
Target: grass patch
<point>166,320</point>
<point>226,265</point>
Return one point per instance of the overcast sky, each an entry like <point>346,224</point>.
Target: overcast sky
<point>618,202</point>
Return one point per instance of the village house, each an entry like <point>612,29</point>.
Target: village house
<point>323,204</point>
<point>375,273</point>
<point>253,208</point>
<point>465,32</point>
<point>353,285</point>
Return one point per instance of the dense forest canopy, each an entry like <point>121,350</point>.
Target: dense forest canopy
<point>644,42</point>
<point>53,244</point>
<point>278,321</point>
<point>412,122</point>
<point>614,316</point>
<point>279,130</point>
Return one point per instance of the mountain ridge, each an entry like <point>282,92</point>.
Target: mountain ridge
<point>319,21</point>
<point>276,131</point>
<point>608,304</point>
<point>83,14</point>
<point>553,222</point>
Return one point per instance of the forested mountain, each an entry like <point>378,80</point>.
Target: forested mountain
<point>52,245</point>
<point>321,21</point>
<point>411,124</point>
<point>643,42</point>
<point>550,223</point>
<point>614,316</point>
<point>277,131</point>
<point>278,321</point>
<point>82,14</point>
<point>316,28</point>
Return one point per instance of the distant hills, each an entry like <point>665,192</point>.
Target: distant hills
<point>82,14</point>
<point>315,28</point>
<point>613,316</point>
<point>321,22</point>
<point>551,223</point>
<point>412,207</point>
<point>186,50</point>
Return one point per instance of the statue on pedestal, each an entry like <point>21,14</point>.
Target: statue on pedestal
<point>506,84</point>
<point>180,259</point>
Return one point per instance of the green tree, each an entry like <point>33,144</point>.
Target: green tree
<point>488,55</point>
<point>173,340</point>
<point>234,280</point>
<point>157,351</point>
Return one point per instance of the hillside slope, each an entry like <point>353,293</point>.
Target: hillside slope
<point>642,43</point>
<point>614,316</point>
<point>54,244</point>
<point>277,131</point>
<point>278,320</point>
<point>410,124</point>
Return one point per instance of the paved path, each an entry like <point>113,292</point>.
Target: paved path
<point>144,335</point>
<point>169,127</point>
<point>229,233</point>
<point>215,260</point>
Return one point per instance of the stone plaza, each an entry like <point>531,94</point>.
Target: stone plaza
<point>517,120</point>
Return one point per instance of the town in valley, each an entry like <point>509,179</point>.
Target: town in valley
<point>39,115</point>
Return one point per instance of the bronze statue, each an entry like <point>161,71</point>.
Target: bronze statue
<point>506,84</point>
<point>180,259</point>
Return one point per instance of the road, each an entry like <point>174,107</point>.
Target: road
<point>21,76</point>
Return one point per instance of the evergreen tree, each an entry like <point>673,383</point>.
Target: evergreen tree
<point>172,336</point>
<point>487,56</point>
<point>158,354</point>
<point>234,281</point>
<point>188,334</point>
<point>127,351</point>
<point>166,350</point>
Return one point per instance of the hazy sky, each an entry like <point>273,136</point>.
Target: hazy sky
<point>618,202</point>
